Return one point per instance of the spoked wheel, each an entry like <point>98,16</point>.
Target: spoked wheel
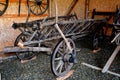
<point>3,6</point>
<point>61,59</point>
<point>24,55</point>
<point>38,7</point>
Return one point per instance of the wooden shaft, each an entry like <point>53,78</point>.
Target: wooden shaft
<point>59,30</point>
<point>107,65</point>
<point>63,36</point>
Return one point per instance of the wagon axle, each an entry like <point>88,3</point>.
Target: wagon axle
<point>71,58</point>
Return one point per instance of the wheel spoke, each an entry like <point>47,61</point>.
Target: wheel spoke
<point>37,10</point>
<point>60,51</point>
<point>3,3</point>
<point>59,58</point>
<point>59,64</point>
<point>61,67</point>
<point>34,8</point>
<point>27,54</point>
<point>33,5</point>
<point>40,8</point>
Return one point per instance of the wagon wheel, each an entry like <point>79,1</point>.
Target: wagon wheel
<point>24,55</point>
<point>38,7</point>
<point>61,58</point>
<point>3,6</point>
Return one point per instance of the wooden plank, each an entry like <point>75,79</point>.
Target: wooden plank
<point>99,69</point>
<point>65,76</point>
<point>18,49</point>
<point>112,57</point>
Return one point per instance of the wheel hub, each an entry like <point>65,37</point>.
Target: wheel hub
<point>69,57</point>
<point>66,57</point>
<point>38,2</point>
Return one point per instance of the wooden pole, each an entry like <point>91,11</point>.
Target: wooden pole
<point>97,68</point>
<point>109,62</point>
<point>59,30</point>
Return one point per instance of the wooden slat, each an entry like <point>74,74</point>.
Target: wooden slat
<point>112,57</point>
<point>17,49</point>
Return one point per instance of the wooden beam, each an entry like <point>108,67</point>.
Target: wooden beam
<point>18,49</point>
<point>99,69</point>
<point>72,5</point>
<point>112,57</point>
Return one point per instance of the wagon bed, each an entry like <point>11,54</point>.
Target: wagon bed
<point>35,34</point>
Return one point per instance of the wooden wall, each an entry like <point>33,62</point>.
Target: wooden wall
<point>8,34</point>
<point>63,6</point>
<point>103,5</point>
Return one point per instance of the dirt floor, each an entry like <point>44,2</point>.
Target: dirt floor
<point>39,69</point>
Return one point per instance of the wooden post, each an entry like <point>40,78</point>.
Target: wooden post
<point>86,8</point>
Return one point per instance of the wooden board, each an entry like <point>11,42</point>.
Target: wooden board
<point>65,76</point>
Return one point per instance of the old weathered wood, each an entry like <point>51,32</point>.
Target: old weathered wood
<point>18,49</point>
<point>109,62</point>
<point>65,76</point>
<point>72,5</point>
<point>99,69</point>
<point>20,45</point>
